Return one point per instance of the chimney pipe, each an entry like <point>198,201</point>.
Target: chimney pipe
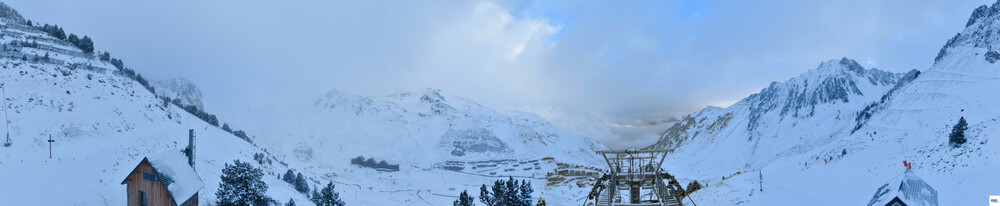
<point>191,147</point>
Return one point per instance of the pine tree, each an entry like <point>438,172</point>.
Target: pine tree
<point>242,185</point>
<point>507,193</point>
<point>86,45</point>
<point>464,199</point>
<point>105,56</point>
<point>73,39</point>
<point>525,193</point>
<point>289,177</point>
<point>291,202</point>
<point>485,197</point>
<point>957,136</point>
<point>327,197</point>
<point>541,202</point>
<point>300,183</point>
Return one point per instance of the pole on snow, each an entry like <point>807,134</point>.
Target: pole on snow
<point>50,146</point>
<point>6,119</point>
<point>761,180</point>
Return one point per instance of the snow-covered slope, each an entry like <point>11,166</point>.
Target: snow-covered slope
<point>180,89</point>
<point>811,109</point>
<point>421,131</point>
<point>103,124</point>
<point>842,126</point>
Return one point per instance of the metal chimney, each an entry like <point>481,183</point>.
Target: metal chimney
<point>191,147</point>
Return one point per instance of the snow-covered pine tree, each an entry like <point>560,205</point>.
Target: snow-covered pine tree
<point>300,184</point>
<point>957,136</point>
<point>327,197</point>
<point>242,185</point>
<point>289,177</point>
<point>507,193</point>
<point>464,199</point>
<point>291,202</point>
<point>524,193</point>
<point>485,197</point>
<point>541,202</point>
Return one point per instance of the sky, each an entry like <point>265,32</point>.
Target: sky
<point>618,59</point>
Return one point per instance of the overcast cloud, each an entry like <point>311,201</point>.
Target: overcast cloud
<point>616,58</point>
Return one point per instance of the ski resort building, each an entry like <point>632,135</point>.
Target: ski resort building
<point>907,190</point>
<point>165,179</point>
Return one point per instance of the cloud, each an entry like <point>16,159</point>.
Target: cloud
<point>488,54</point>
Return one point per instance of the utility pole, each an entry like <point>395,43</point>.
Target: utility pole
<point>5,116</point>
<point>50,146</point>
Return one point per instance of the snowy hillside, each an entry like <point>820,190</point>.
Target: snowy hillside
<point>812,108</point>
<point>442,143</point>
<point>843,126</point>
<point>103,123</point>
<point>180,89</point>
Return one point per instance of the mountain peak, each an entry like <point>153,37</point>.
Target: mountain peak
<point>983,12</point>
<point>834,81</point>
<point>843,64</point>
<point>432,96</point>
<point>979,31</point>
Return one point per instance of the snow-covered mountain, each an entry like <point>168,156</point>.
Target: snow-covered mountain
<point>813,108</point>
<point>843,126</point>
<point>422,131</point>
<point>179,88</point>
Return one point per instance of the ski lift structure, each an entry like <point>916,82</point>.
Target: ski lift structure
<point>635,178</point>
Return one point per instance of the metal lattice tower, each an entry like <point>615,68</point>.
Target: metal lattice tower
<point>635,178</point>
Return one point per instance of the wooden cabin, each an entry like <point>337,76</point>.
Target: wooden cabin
<point>165,179</point>
<point>161,182</point>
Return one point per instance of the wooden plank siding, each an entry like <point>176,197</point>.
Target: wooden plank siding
<point>156,194</point>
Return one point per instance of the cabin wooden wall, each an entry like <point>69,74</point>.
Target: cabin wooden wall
<point>156,195</point>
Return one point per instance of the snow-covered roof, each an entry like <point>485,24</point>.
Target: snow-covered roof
<point>181,180</point>
<point>909,188</point>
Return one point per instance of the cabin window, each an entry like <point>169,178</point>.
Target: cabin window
<point>142,198</point>
<point>148,176</point>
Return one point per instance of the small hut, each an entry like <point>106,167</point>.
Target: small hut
<point>905,190</point>
<point>165,179</point>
